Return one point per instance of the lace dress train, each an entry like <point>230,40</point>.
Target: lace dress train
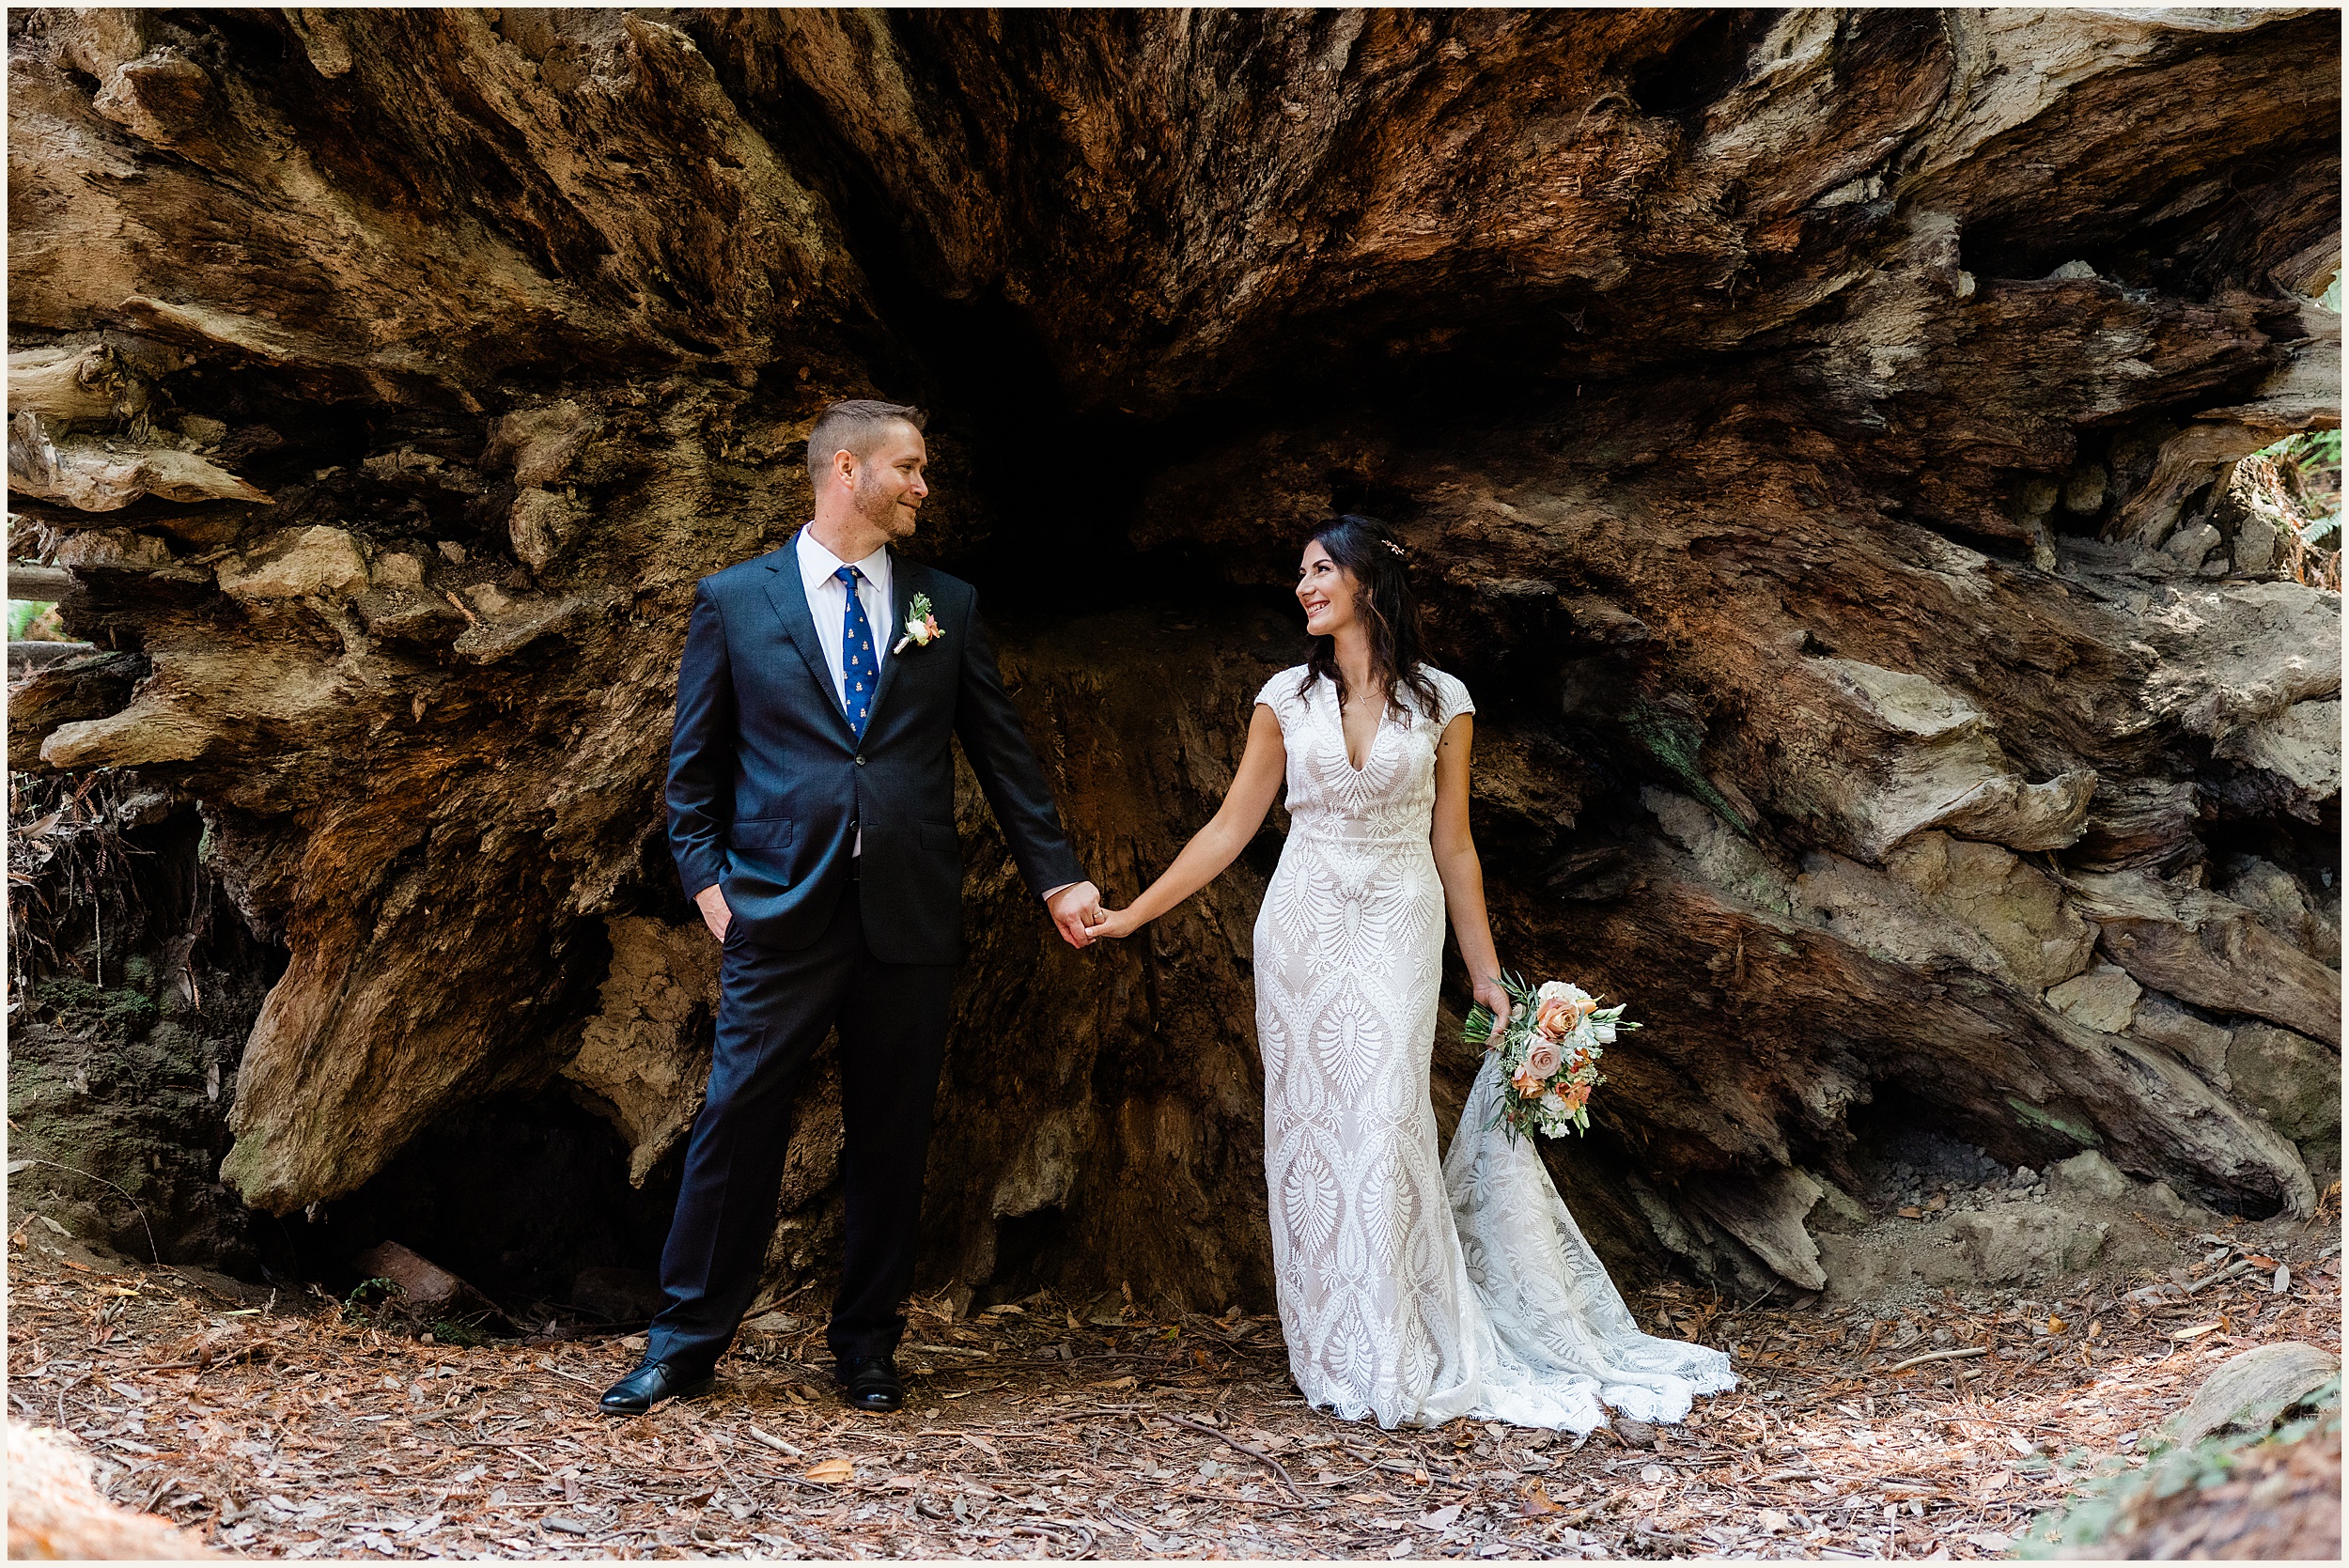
<point>1412,1289</point>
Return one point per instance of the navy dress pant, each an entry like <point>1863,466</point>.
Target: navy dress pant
<point>774,1009</point>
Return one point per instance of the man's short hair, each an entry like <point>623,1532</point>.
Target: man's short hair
<point>854,426</point>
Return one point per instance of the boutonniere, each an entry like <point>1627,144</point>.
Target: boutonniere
<point>921,626</point>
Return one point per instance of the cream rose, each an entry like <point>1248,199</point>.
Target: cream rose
<point>1544,1057</point>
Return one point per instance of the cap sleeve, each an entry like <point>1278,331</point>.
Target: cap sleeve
<point>1451,698</point>
<point>1280,694</point>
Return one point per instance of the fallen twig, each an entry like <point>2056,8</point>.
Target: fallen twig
<point>1962,1354</point>
<point>1249,1449</point>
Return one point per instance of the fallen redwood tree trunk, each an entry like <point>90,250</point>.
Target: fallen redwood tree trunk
<point>1815,428</point>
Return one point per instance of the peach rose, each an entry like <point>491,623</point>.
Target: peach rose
<point>1561,1007</point>
<point>1525,1083</point>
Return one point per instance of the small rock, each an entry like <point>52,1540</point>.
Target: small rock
<point>2193,542</point>
<point>2002,1245</point>
<point>2250,1391</point>
<point>1639,1434</point>
<point>2255,540</point>
<point>2087,1176</point>
<point>2104,998</point>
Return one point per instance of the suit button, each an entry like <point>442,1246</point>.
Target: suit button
<point>860,762</point>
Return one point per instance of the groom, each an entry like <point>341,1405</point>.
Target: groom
<point>812,814</point>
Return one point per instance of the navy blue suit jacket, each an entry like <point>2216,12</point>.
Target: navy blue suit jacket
<point>768,786</point>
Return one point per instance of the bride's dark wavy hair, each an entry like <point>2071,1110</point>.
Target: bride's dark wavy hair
<point>1383,601</point>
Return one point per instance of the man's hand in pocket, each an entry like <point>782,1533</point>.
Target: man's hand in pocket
<point>714,911</point>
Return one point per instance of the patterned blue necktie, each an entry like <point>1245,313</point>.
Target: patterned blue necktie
<point>859,658</point>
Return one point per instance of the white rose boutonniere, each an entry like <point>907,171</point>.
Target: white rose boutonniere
<point>922,628</point>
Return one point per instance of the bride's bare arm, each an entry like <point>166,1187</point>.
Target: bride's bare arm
<point>1217,845</point>
<point>1462,873</point>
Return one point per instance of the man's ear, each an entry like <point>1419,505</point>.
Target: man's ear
<point>844,466</point>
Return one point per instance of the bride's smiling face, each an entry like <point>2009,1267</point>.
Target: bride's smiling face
<point>1327,591</point>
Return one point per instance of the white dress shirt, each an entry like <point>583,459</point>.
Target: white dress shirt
<point>828,602</point>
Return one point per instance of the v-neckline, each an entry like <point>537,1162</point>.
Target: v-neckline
<point>1370,748</point>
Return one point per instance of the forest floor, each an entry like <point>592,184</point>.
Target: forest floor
<point>280,1428</point>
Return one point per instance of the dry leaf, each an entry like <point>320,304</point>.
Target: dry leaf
<point>2056,1325</point>
<point>2199,1329</point>
<point>832,1472</point>
<point>1112,1383</point>
<point>1910,1214</point>
<point>1537,1499</point>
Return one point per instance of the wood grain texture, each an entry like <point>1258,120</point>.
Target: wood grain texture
<point>1815,430</point>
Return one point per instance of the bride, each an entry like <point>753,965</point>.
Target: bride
<point>1409,1291</point>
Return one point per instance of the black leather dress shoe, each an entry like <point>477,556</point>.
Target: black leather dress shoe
<point>871,1383</point>
<point>648,1385</point>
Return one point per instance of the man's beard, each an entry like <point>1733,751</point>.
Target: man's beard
<point>882,511</point>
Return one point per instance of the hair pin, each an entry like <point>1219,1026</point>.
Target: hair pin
<point>1399,550</point>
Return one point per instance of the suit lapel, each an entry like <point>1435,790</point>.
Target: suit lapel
<point>787,591</point>
<point>901,590</point>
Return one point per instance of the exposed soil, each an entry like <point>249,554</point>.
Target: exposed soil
<point>280,1428</point>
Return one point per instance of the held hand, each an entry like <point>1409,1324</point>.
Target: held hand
<point>714,911</point>
<point>1113,922</point>
<point>1490,992</point>
<point>1073,908</point>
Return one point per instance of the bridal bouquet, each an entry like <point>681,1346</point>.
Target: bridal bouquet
<point>1549,1052</point>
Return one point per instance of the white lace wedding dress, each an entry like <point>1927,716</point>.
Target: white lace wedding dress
<point>1413,1291</point>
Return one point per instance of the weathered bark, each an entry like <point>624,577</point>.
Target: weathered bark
<point>1815,429</point>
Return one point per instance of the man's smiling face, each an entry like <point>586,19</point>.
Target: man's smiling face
<point>889,485</point>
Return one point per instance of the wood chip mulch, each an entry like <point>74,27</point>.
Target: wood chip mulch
<point>276,1428</point>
